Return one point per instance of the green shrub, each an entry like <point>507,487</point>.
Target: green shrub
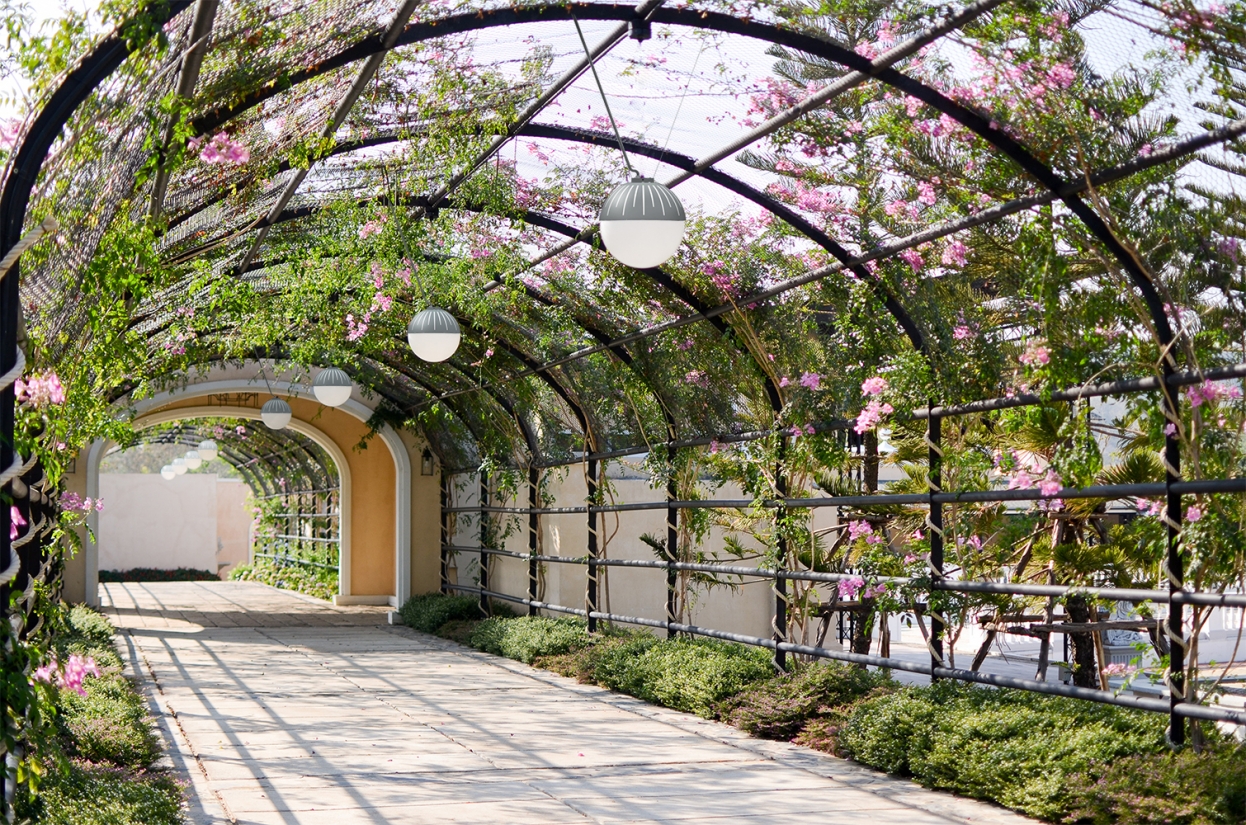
<point>691,675</point>
<point>89,794</point>
<point>459,630</point>
<point>1020,749</point>
<point>1181,788</point>
<point>109,724</point>
<point>151,574</point>
<point>317,582</point>
<point>430,611</point>
<point>528,637</point>
<point>779,708</point>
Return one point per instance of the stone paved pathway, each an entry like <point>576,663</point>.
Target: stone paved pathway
<point>280,709</point>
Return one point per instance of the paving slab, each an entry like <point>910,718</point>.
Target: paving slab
<point>278,709</point>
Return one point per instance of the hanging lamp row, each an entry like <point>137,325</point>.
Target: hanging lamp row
<point>193,460</point>
<point>642,225</point>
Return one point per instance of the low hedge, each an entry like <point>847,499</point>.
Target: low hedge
<point>104,771</point>
<point>150,574</point>
<point>783,707</point>
<point>430,611</point>
<point>529,637</point>
<point>312,581</point>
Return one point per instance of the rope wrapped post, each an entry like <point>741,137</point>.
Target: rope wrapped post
<point>1174,565</point>
<point>534,526</point>
<point>590,596</point>
<point>485,606</point>
<point>934,522</point>
<point>672,541</point>
<point>445,533</point>
<point>779,623</point>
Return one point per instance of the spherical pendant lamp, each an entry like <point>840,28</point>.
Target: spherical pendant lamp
<point>179,466</point>
<point>642,223</point>
<point>332,387</point>
<point>193,460</point>
<point>207,450</point>
<point>433,334</point>
<point>168,473</point>
<point>275,414</point>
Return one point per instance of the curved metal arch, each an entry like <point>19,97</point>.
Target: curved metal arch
<point>765,32</point>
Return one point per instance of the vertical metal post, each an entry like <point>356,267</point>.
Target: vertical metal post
<point>590,596</point>
<point>484,541</point>
<point>445,532</point>
<point>672,541</point>
<point>1175,565</point>
<point>779,624</point>
<point>934,436</point>
<point>534,525</point>
<point>10,309</point>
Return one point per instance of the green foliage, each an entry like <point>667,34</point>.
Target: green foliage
<point>691,675</point>
<point>149,574</point>
<point>312,581</point>
<point>89,794</point>
<point>782,707</point>
<point>430,611</point>
<point>1023,750</point>
<point>1183,788</point>
<point>109,724</point>
<point>529,637</point>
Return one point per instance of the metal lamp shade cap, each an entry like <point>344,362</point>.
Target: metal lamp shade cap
<point>275,414</point>
<point>332,387</point>
<point>168,473</point>
<point>433,334</point>
<point>642,223</point>
<point>207,450</point>
<point>179,466</point>
<point>193,460</point>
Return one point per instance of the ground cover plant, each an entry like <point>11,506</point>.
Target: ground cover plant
<point>101,767</point>
<point>311,581</point>
<point>1056,759</point>
<point>150,574</point>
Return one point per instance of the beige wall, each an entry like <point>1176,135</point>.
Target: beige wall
<point>150,522</point>
<point>233,524</point>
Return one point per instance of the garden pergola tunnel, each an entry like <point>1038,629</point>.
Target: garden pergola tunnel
<point>926,236</point>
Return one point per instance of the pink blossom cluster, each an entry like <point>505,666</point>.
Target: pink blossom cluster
<point>372,227</point>
<point>10,130</point>
<point>913,258</point>
<point>954,254</point>
<point>873,413</point>
<point>75,503</point>
<point>71,676</point>
<point>1118,669</point>
<point>355,330</point>
<point>16,521</point>
<point>1210,392</point>
<point>40,390</point>
<point>220,149</point>
<point>810,380</point>
<point>796,430</point>
<point>848,588</point>
<point>874,386</point>
<point>1024,472</point>
<point>1150,508</point>
<point>725,281</point>
<point>698,378</point>
<point>1035,355</point>
<point>963,332</point>
<point>1193,513</point>
<point>859,530</point>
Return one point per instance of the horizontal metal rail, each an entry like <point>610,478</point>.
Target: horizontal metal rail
<point>331,540</point>
<point>1186,709</point>
<point>1123,594</point>
<point>1111,492</point>
<point>305,515</point>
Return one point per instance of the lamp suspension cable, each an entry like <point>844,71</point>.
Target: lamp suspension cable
<point>592,65</point>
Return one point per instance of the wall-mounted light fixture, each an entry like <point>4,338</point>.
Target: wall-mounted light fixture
<point>426,463</point>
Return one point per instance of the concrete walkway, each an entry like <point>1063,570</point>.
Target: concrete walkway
<point>282,709</point>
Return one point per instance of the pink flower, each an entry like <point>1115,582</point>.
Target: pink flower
<point>355,331</point>
<point>874,386</point>
<point>848,588</point>
<point>895,208</point>
<point>1035,355</point>
<point>954,254</point>
<point>240,430</point>
<point>698,378</point>
<point>1193,513</point>
<point>913,258</point>
<point>1050,483</point>
<point>15,521</point>
<point>372,227</point>
<point>963,333</point>
<point>10,130</point>
<point>869,417</point>
<point>926,193</point>
<point>1061,75</point>
<point>1118,669</point>
<point>859,530</point>
<point>40,390</point>
<point>810,380</point>
<point>221,149</point>
<point>910,558</point>
<point>784,381</point>
<point>875,592</point>
<point>1150,508</point>
<point>1209,392</point>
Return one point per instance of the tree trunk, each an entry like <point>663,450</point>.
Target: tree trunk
<point>871,461</point>
<point>1082,645</point>
<point>862,631</point>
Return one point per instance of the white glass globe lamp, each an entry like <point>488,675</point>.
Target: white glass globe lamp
<point>433,334</point>
<point>275,414</point>
<point>207,450</point>
<point>332,387</point>
<point>193,460</point>
<point>168,473</point>
<point>642,223</point>
<point>179,466</point>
